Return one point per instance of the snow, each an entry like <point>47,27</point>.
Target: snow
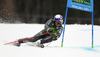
<point>77,41</point>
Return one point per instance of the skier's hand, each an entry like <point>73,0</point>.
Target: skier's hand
<point>49,30</point>
<point>55,37</point>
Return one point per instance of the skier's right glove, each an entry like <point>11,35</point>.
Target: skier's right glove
<point>49,30</point>
<point>55,37</point>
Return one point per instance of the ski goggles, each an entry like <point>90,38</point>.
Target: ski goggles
<point>59,21</point>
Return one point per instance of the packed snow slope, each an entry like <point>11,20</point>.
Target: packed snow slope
<point>77,41</point>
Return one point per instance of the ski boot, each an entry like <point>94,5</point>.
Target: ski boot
<point>17,44</point>
<point>38,43</point>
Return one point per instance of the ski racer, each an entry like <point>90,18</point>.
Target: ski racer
<point>53,29</point>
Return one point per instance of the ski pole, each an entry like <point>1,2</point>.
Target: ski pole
<point>24,39</point>
<point>48,44</point>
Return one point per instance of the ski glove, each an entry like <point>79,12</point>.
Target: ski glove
<point>55,37</point>
<point>49,30</point>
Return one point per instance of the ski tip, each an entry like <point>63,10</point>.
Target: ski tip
<point>4,44</point>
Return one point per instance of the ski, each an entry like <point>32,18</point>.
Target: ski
<point>41,46</point>
<point>33,44</point>
<point>18,40</point>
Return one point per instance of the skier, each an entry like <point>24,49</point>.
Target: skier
<point>53,29</point>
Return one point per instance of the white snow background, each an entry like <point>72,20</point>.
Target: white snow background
<point>77,41</point>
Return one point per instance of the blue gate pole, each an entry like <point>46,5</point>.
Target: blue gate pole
<point>92,24</point>
<point>92,29</point>
<point>64,26</point>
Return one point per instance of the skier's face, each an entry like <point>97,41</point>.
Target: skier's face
<point>57,23</point>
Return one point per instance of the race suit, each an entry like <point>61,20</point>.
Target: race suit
<point>53,34</point>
